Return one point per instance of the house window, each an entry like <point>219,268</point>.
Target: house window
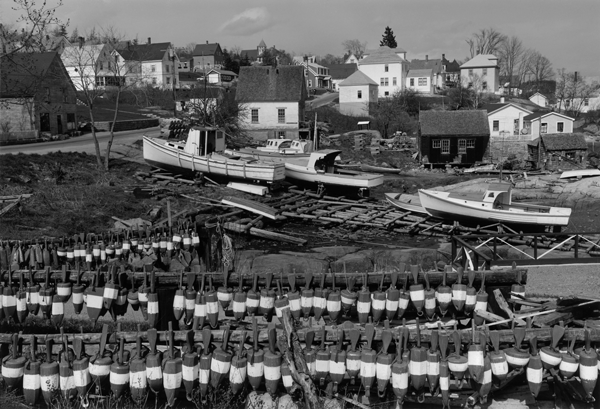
<point>154,81</point>
<point>309,84</point>
<point>101,65</point>
<point>436,143</point>
<point>255,116</point>
<point>485,71</point>
<point>381,81</point>
<point>359,94</point>
<point>484,85</point>
<point>167,68</point>
<point>470,72</point>
<point>44,122</point>
<point>495,126</point>
<point>281,115</point>
<point>422,82</point>
<point>560,127</point>
<point>386,68</point>
<point>516,127</point>
<point>70,121</point>
<point>386,81</point>
<point>470,143</point>
<point>412,82</point>
<point>544,128</point>
<point>281,134</point>
<point>462,146</point>
<point>394,82</point>
<point>445,146</point>
<point>168,80</point>
<point>586,102</point>
<point>386,93</point>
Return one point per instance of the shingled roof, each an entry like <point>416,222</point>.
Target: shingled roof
<point>564,142</point>
<point>341,71</point>
<point>23,74</point>
<point>144,52</point>
<point>541,114</point>
<point>268,84</point>
<point>454,123</point>
<point>433,64</point>
<point>383,55</point>
<point>357,78</point>
<point>206,49</point>
<point>419,73</point>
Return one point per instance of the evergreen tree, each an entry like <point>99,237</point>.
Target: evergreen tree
<point>389,39</point>
<point>230,64</point>
<point>245,62</point>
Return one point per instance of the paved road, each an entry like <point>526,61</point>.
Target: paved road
<point>84,143</point>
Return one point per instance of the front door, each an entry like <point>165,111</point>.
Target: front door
<point>59,124</point>
<point>45,122</point>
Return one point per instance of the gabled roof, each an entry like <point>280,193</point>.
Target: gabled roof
<point>358,78</point>
<point>75,56</point>
<point>493,108</point>
<point>434,65</point>
<point>144,52</point>
<point>542,114</point>
<point>23,74</point>
<point>252,54</point>
<point>53,43</point>
<point>419,73</point>
<point>341,71</point>
<point>206,49</point>
<point>564,142</point>
<point>268,84</point>
<point>451,66</point>
<point>454,123</point>
<point>538,94</point>
<point>262,43</point>
<point>481,61</point>
<point>370,51</point>
<point>383,55</point>
<point>222,72</point>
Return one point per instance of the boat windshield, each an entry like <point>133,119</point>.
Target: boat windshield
<point>285,144</point>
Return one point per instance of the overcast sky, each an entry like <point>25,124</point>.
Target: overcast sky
<point>565,31</point>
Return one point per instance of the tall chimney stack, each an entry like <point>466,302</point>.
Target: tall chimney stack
<point>149,40</point>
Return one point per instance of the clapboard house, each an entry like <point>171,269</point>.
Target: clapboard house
<point>453,137</point>
<point>558,151</point>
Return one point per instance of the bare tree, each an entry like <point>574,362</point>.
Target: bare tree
<point>355,47</point>
<point>572,91</point>
<point>511,52</point>
<point>539,68</point>
<point>485,41</point>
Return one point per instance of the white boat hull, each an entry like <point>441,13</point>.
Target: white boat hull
<point>405,202</point>
<point>440,204</point>
<point>163,156</point>
<point>278,157</point>
<point>360,181</point>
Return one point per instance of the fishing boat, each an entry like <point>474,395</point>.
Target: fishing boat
<point>319,169</point>
<point>203,151</point>
<point>405,201</point>
<point>495,205</point>
<point>276,150</point>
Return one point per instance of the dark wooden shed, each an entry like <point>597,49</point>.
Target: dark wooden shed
<point>453,137</point>
<point>559,151</point>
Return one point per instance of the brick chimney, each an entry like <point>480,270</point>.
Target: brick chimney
<point>149,40</point>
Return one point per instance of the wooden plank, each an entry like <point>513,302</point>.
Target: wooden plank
<point>263,233</point>
<point>251,206</point>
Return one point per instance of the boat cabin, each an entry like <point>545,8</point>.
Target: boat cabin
<point>287,146</point>
<point>323,161</point>
<point>203,141</point>
<point>500,194</point>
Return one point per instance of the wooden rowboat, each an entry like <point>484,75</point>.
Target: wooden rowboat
<point>405,201</point>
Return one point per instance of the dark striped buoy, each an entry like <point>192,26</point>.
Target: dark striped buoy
<point>444,372</point>
<point>417,291</point>
<point>444,292</point>
<point>190,367</point>
<point>475,356</point>
<point>46,294</point>
<point>137,372</point>
<point>588,366</point>
<point>9,299</point>
<point>153,305</point>
<point>516,357</point>
<point>179,300</point>
<point>400,373</point>
<point>200,308</point>
<point>334,302</point>
<point>320,300</point>
<point>481,301</point>
<point>172,371</point>
<point>49,375</point>
<point>272,363</point>
<point>368,365</point>
<point>294,298</point>
<point>111,289</point>
<point>190,298</point>
<point>353,356</point>
<point>286,377</point>
<point>212,305</point>
<point>433,363</point>
<point>143,295</point>
<point>204,364</point>
<point>384,363</point>
<point>378,300</point>
<point>100,366</point>
<point>32,386</point>
<point>337,362</point>
<point>13,368</point>
<point>81,370</point>
<point>94,300</point>
<point>404,297</point>
<point>498,358</point>
<point>471,299</point>
<point>535,370</point>
<point>239,301</point>
<point>64,288</point>
<point>58,310</point>
<point>417,366</point>
<point>307,297</point>
<point>67,379</point>
<point>322,360</point>
<point>457,363</point>
<point>22,311</point>
<point>267,298</point>
<point>459,292</point>
<point>33,296</point>
<point>550,355</point>
<point>349,297</point>
<point>430,300</point>
<point>237,373</point>
<point>253,298</point>
<point>363,305</point>
<point>310,356</point>
<point>281,303</point>
<point>154,373</point>
<point>255,368</point>
<point>486,380</point>
<point>392,297</point>
<point>120,304</point>
<point>224,292</point>
<point>78,291</point>
<point>570,362</point>
<point>119,373</point>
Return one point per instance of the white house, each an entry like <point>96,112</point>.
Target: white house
<point>539,99</point>
<point>274,99</point>
<point>421,81</point>
<point>357,93</point>
<point>221,77</point>
<point>481,72</point>
<point>89,66</point>
<point>437,68</point>
<point>153,63</point>
<point>387,67</point>
<point>506,119</point>
<point>582,105</point>
<point>540,123</point>
<point>351,59</point>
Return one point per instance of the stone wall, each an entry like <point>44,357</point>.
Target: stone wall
<point>503,149</point>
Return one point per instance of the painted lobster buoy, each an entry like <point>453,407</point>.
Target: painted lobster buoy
<point>384,364</point>
<point>190,298</point>
<point>200,308</point>
<point>179,300</point>
<point>81,371</point>
<point>515,356</point>
<point>368,364</point>
<point>517,291</point>
<point>190,367</point>
<point>58,310</point>
<point>404,297</point>
<point>417,292</point>
<point>94,300</point>
<point>471,299</point>
<point>337,362</point>
<point>363,305</point>
<point>111,290</point>
<point>281,303</point>
<point>253,298</point>
<point>120,304</point>
<point>392,296</point>
<point>486,380</point>
<point>273,363</point>
<point>267,298</point>
<point>550,355</point>
<point>570,362</point>
<point>212,305</point>
<point>64,288</point>
<point>71,255</point>
<point>46,294</point>
<point>444,372</point>
<point>475,356</point>
<point>444,293</point>
<point>400,374</point>
<point>588,366</point>
<point>307,297</point>
<point>256,365</point>
<point>430,300</point>
<point>459,292</point>
<point>294,298</point>
<point>49,375</point>
<point>418,363</point>
<point>237,373</point>
<point>433,363</point>
<point>33,295</point>
<point>153,306</point>
<point>100,366</point>
<point>224,293</point>
<point>143,293</point>
<point>77,292</point>
<point>498,360</point>
<point>32,387</point>
<point>457,363</point>
<point>119,373</point>
<point>67,379</point>
<point>172,371</point>
<point>239,301</point>
<point>348,296</point>
<point>9,299</point>
<point>137,372</point>
<point>21,298</point>
<point>205,364</point>
<point>353,356</point>
<point>187,241</point>
<point>320,300</point>
<point>322,360</point>
<point>378,302</point>
<point>310,356</point>
<point>535,370</point>
<point>1,301</point>
<point>286,377</point>
<point>154,373</point>
<point>221,362</point>
<point>13,368</point>
<point>481,301</point>
<point>334,302</point>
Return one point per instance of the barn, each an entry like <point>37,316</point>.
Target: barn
<point>558,151</point>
